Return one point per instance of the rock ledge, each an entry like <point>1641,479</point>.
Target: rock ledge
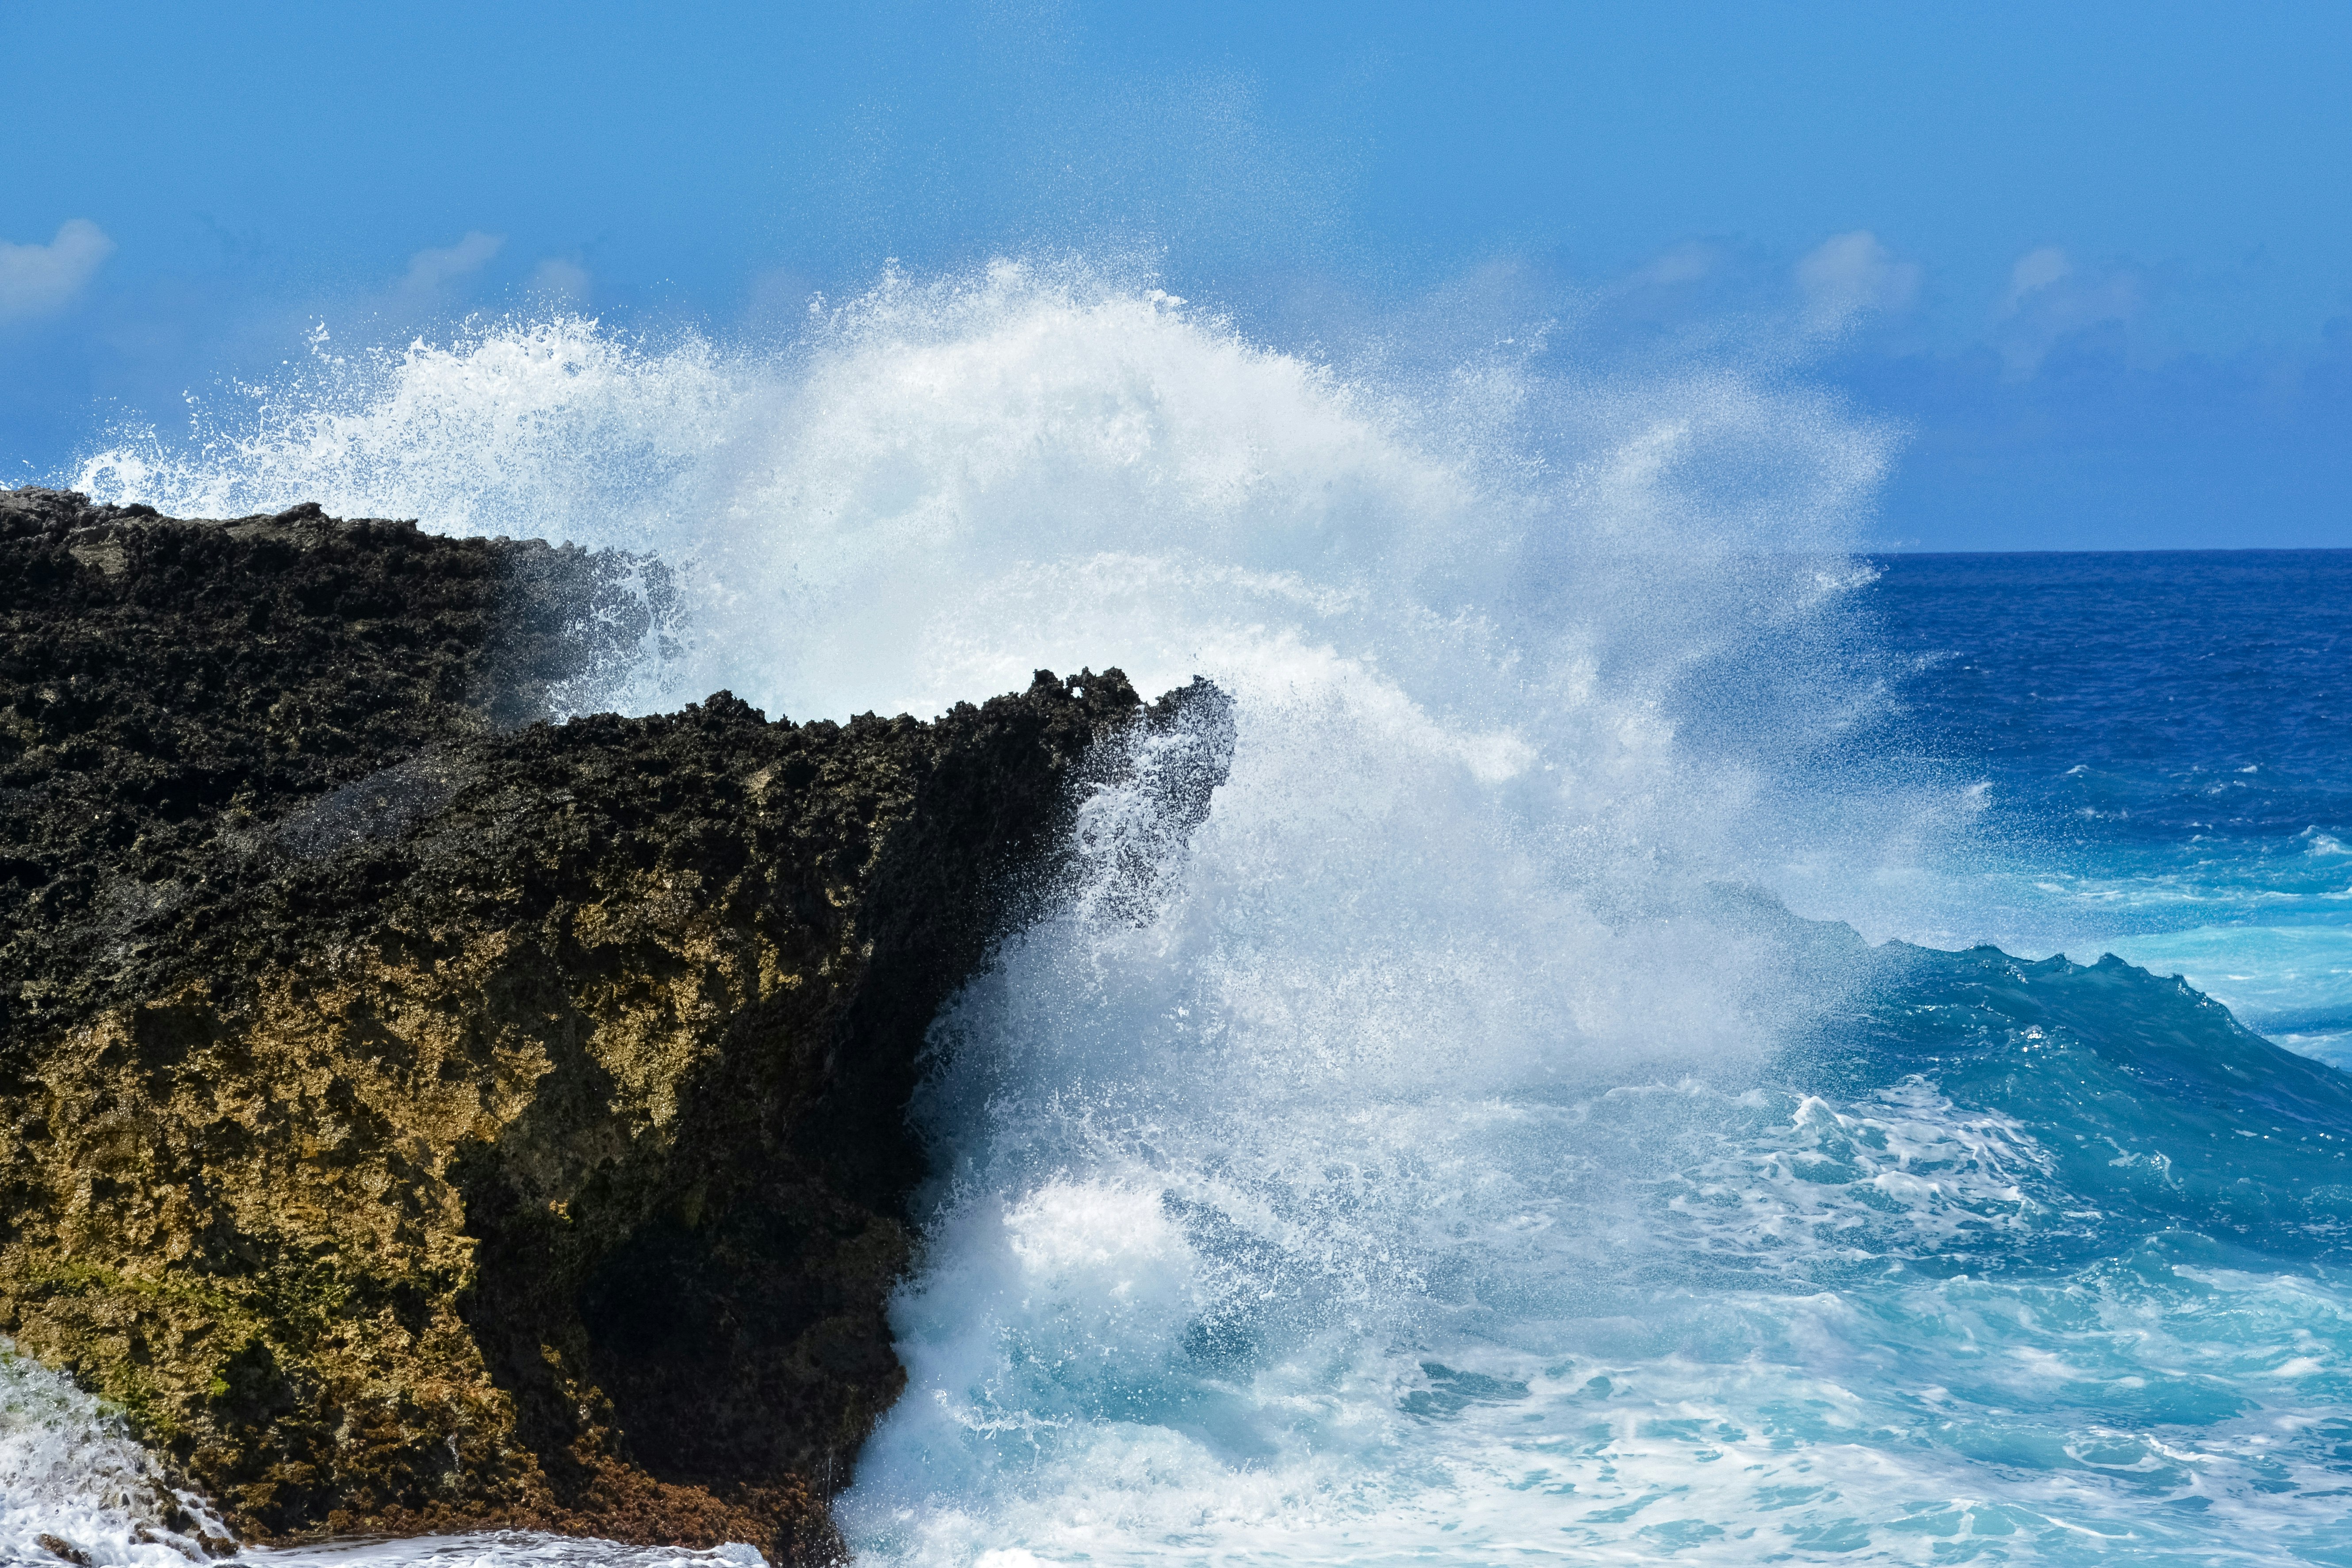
<point>415,1116</point>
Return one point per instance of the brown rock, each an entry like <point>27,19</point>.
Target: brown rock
<point>416,1120</point>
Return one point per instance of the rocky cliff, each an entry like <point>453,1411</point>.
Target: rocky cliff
<point>414,1114</point>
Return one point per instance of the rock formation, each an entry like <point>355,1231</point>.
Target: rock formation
<point>415,1115</point>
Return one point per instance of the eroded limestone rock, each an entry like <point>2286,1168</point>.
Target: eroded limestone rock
<point>412,1116</point>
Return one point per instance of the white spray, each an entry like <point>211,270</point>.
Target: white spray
<point>1526,671</point>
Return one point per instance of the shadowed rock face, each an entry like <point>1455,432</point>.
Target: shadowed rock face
<point>415,1116</point>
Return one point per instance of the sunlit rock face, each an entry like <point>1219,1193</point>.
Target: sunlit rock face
<point>415,1113</point>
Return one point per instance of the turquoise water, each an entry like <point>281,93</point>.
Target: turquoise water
<point>2169,740</point>
<point>2008,1262</point>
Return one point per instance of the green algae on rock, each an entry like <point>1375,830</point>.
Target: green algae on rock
<point>413,1116</point>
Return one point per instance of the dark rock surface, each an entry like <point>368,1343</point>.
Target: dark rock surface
<point>414,1115</point>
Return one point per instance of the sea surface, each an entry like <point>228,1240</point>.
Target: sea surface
<point>1629,1069</point>
<point>2173,732</point>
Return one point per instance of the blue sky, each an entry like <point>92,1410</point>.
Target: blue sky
<point>2097,258</point>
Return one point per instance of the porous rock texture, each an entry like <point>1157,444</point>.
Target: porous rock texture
<point>414,1115</point>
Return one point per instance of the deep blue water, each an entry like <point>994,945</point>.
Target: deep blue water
<point>2167,740</point>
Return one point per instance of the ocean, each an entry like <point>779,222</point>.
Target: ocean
<point>2171,731</point>
<point>1628,1069</point>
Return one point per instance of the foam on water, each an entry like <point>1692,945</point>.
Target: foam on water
<point>1410,1166</point>
<point>69,1471</point>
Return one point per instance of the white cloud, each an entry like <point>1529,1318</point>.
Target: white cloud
<point>35,279</point>
<point>2049,298</point>
<point>430,269</point>
<point>1684,263</point>
<point>2035,270</point>
<point>565,280</point>
<point>1850,275</point>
